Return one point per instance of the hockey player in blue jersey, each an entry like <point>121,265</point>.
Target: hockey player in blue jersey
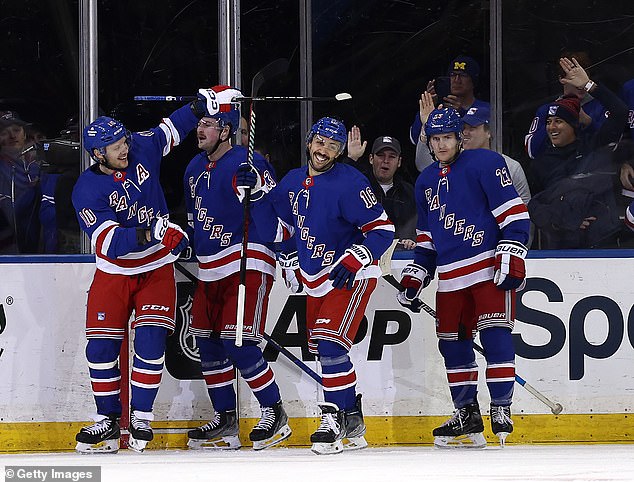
<point>215,218</point>
<point>121,207</point>
<point>339,231</point>
<point>472,229</point>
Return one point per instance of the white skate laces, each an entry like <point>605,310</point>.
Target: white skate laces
<point>268,419</point>
<point>328,423</point>
<point>500,416</point>
<point>99,427</point>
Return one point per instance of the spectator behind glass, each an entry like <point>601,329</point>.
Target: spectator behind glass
<point>19,188</point>
<point>574,204</point>
<point>464,73</point>
<point>395,194</point>
<point>591,116</point>
<point>60,171</point>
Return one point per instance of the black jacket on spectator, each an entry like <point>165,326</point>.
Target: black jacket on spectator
<point>576,182</point>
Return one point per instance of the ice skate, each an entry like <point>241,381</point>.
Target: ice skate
<point>100,437</point>
<point>463,430</point>
<point>140,430</point>
<point>221,433</point>
<point>272,427</point>
<point>501,423</point>
<point>328,438</point>
<point>355,428</point>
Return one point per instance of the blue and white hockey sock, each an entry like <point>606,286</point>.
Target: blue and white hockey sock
<point>339,377</point>
<point>147,366</point>
<point>255,371</point>
<point>500,356</point>
<point>105,377</point>
<point>218,372</point>
<point>462,370</point>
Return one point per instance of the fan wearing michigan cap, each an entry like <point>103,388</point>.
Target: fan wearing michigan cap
<point>464,74</point>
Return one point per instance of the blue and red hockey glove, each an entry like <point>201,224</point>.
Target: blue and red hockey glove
<point>413,278</point>
<point>510,271</point>
<point>169,235</point>
<point>354,258</point>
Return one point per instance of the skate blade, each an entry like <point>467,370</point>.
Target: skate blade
<point>282,434</point>
<point>466,441</point>
<point>105,447</point>
<point>354,443</point>
<point>136,444</point>
<point>322,448</point>
<point>223,443</point>
<point>502,436</point>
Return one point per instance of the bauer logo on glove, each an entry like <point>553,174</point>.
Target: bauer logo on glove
<point>289,262</point>
<point>345,270</point>
<point>509,271</point>
<point>414,279</point>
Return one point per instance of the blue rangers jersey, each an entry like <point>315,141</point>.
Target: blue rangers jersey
<point>111,207</point>
<point>327,214</point>
<point>216,214</point>
<point>464,210</point>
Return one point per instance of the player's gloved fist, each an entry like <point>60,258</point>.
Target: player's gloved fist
<point>413,278</point>
<point>247,177</point>
<point>206,103</point>
<point>354,258</point>
<point>169,235</point>
<point>510,272</point>
<point>289,262</point>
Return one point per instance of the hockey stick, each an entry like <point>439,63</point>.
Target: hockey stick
<point>272,70</point>
<point>186,98</point>
<point>246,202</point>
<point>284,351</point>
<point>337,97</point>
<point>305,368</point>
<point>555,408</point>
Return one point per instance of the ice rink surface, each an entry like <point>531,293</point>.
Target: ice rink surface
<point>513,463</point>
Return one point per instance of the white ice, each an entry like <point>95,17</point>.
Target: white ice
<point>584,463</point>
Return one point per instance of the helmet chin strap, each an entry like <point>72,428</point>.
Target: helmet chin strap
<point>215,147</point>
<point>217,144</point>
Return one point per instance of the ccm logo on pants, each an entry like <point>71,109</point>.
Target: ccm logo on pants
<point>154,308</point>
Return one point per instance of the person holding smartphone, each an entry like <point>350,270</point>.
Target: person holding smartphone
<point>456,89</point>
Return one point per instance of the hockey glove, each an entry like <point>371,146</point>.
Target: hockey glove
<point>169,234</point>
<point>354,258</point>
<point>510,273</point>
<point>414,279</point>
<point>289,262</point>
<point>247,177</point>
<point>206,104</point>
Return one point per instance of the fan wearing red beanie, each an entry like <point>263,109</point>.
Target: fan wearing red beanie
<point>572,179</point>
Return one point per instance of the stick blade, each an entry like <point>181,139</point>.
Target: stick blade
<point>385,262</point>
<point>343,96</point>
